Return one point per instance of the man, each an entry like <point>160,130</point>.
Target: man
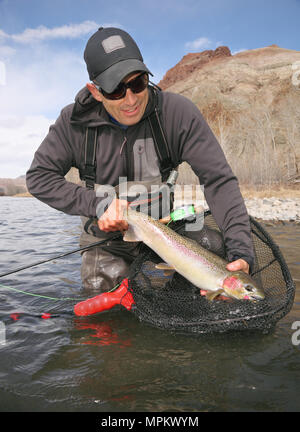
<point>117,105</point>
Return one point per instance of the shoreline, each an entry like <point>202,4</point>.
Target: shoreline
<point>274,204</point>
<point>267,205</point>
<point>270,210</point>
<point>274,209</point>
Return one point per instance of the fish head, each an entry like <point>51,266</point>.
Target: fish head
<point>240,285</point>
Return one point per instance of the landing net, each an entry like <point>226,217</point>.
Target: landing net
<point>171,302</point>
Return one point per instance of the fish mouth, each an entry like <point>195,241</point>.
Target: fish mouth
<point>256,296</point>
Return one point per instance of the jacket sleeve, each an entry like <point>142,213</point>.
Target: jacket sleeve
<point>195,143</point>
<point>52,160</point>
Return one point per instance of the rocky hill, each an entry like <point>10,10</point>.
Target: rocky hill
<point>252,102</point>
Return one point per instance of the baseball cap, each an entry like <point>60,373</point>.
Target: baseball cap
<point>110,55</point>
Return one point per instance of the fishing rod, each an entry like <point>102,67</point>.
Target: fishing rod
<point>98,243</point>
<point>102,302</point>
<point>119,295</point>
<point>176,216</point>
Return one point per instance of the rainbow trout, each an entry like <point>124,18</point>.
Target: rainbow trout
<point>199,266</point>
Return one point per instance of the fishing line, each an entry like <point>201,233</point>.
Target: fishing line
<point>38,295</point>
<point>16,316</point>
<point>98,243</point>
<point>45,315</point>
<point>60,256</point>
<point>51,298</point>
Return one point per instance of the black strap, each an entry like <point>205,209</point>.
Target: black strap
<point>89,171</point>
<point>161,144</point>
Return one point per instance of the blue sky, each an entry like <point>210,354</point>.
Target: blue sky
<point>42,44</point>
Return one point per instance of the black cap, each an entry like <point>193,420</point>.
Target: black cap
<point>110,55</point>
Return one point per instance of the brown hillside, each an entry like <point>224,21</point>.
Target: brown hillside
<point>252,102</point>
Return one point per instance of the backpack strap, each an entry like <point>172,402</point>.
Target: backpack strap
<point>166,164</point>
<point>88,173</point>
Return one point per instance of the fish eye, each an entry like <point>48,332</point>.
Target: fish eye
<point>249,288</point>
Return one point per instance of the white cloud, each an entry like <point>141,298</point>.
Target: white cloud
<point>32,97</point>
<point>19,139</point>
<point>68,31</point>
<point>6,52</point>
<point>2,34</point>
<point>199,44</point>
<point>36,81</point>
<point>71,31</point>
<point>43,85</point>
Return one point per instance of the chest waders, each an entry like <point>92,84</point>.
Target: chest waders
<point>104,267</point>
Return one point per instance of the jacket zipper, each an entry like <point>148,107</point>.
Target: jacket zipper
<point>125,146</point>
<point>140,152</point>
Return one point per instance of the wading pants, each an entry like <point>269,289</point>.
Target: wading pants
<point>103,267</point>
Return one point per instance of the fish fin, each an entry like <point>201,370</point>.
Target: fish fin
<point>164,266</point>
<point>130,235</point>
<point>213,294</point>
<point>169,272</point>
<point>168,269</point>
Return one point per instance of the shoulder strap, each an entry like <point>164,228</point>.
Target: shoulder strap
<point>88,173</point>
<point>161,145</point>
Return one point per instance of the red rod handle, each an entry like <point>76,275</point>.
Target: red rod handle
<point>106,301</point>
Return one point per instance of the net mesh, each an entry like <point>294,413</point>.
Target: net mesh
<point>172,302</point>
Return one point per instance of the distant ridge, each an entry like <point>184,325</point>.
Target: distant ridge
<point>251,100</point>
<point>9,186</point>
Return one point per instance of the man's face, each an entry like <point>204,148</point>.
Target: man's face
<point>128,110</point>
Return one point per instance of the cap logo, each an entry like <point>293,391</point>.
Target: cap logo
<point>113,43</point>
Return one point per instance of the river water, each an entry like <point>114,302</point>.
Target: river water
<point>111,362</point>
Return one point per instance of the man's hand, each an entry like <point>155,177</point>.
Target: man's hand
<point>239,264</point>
<point>113,218</point>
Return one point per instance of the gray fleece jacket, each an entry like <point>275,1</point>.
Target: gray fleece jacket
<point>190,139</point>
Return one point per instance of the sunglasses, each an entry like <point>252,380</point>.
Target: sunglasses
<point>136,85</point>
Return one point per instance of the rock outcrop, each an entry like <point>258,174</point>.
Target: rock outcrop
<point>190,63</point>
<point>252,102</point>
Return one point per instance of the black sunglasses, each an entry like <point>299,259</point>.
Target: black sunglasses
<point>136,85</point>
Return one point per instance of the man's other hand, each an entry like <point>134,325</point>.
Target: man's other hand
<point>239,264</point>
